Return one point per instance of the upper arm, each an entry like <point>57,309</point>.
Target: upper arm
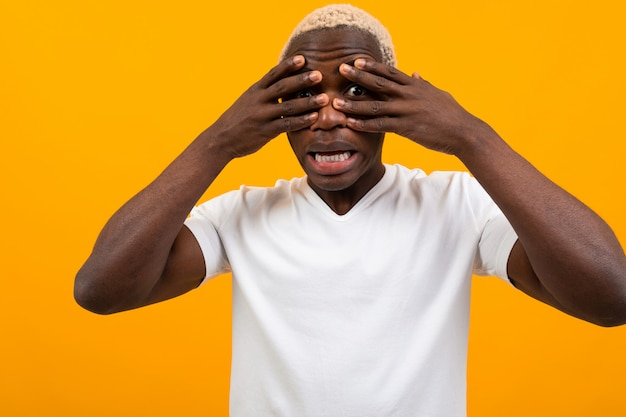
<point>184,269</point>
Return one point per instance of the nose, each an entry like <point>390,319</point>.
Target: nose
<point>329,117</point>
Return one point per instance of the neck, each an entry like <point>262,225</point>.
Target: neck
<point>342,201</point>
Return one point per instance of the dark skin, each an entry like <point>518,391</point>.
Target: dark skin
<point>566,256</point>
<point>342,184</point>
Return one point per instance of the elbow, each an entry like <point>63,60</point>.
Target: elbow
<point>612,311</point>
<point>613,316</point>
<point>90,295</point>
<point>609,300</point>
<point>89,304</point>
<point>609,321</point>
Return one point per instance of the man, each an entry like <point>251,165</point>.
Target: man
<point>351,285</point>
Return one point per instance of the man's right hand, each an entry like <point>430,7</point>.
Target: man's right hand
<point>144,254</point>
<point>262,113</point>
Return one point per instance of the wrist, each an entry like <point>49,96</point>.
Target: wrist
<point>477,142</point>
<point>214,147</point>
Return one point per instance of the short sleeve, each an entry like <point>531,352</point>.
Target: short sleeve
<point>494,247</point>
<point>204,228</point>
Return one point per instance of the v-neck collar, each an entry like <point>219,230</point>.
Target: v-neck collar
<point>363,203</point>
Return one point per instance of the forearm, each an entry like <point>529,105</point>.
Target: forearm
<point>573,252</point>
<point>143,254</point>
<point>131,252</point>
<point>570,257</point>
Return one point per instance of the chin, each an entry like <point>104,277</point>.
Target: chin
<point>334,183</point>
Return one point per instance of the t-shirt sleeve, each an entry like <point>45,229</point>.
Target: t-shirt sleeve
<point>494,247</point>
<point>496,235</point>
<point>204,224</point>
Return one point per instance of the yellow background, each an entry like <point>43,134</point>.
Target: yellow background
<point>97,97</point>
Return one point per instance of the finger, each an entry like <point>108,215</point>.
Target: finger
<point>374,83</point>
<point>293,123</point>
<point>372,108</point>
<point>300,106</point>
<point>285,88</point>
<point>368,108</point>
<point>383,70</point>
<point>374,73</point>
<point>376,125</point>
<point>283,69</point>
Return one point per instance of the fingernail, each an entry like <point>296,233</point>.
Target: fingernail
<point>321,99</point>
<point>315,76</point>
<point>360,63</point>
<point>310,116</point>
<point>346,68</point>
<point>298,59</point>
<point>339,102</point>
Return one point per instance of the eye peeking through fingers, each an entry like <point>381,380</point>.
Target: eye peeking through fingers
<point>304,94</point>
<point>300,94</point>
<point>356,90</point>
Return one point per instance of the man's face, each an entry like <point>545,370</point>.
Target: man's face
<point>334,157</point>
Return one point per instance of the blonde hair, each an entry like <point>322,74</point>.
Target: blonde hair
<point>349,17</point>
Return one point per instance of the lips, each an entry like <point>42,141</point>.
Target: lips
<point>331,162</point>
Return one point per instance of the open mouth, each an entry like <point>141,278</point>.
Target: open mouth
<point>331,162</point>
<point>338,156</point>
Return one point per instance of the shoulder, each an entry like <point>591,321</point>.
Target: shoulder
<point>443,191</point>
<point>266,196</point>
<point>437,181</point>
<point>248,199</point>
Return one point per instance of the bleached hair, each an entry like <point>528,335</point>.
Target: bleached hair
<point>345,16</point>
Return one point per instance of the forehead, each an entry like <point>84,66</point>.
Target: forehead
<point>335,44</point>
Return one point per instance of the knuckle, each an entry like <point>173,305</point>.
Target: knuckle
<point>287,124</point>
<point>346,105</point>
<point>305,78</point>
<point>279,89</point>
<point>375,107</point>
<point>357,74</point>
<point>310,77</point>
<point>393,71</point>
<point>273,72</point>
<point>359,124</point>
<point>288,108</point>
<point>380,82</point>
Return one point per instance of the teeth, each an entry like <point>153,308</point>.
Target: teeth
<point>338,157</point>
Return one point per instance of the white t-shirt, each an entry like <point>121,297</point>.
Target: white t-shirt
<point>356,315</point>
